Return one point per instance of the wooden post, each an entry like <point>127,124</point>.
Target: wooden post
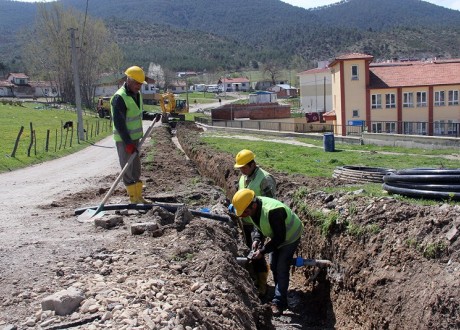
<point>16,143</point>
<point>31,139</point>
<point>47,140</point>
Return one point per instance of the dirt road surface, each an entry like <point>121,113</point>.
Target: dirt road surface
<point>396,265</point>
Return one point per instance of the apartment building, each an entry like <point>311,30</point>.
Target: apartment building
<point>403,97</point>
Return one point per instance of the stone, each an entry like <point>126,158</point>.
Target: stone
<point>64,302</point>
<point>109,222</point>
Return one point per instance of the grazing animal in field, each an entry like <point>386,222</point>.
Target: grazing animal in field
<point>68,124</point>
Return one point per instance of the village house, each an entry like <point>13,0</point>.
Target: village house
<point>178,87</point>
<point>240,84</point>
<point>283,91</point>
<point>19,85</point>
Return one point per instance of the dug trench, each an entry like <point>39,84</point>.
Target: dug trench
<point>395,263</point>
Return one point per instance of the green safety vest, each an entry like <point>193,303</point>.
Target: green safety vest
<point>253,185</point>
<point>294,226</point>
<point>133,116</point>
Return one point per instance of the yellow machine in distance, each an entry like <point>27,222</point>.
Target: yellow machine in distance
<point>172,109</point>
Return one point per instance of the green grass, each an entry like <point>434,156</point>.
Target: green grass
<point>60,142</point>
<point>383,149</point>
<point>316,162</point>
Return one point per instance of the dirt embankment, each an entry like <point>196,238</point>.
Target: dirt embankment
<point>395,264</point>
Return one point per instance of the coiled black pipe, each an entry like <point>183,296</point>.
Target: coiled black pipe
<point>360,173</point>
<point>424,182</point>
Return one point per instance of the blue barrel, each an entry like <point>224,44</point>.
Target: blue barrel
<point>328,141</point>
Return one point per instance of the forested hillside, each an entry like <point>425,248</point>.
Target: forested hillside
<point>215,34</point>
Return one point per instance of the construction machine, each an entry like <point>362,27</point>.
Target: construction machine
<point>103,107</point>
<point>172,109</point>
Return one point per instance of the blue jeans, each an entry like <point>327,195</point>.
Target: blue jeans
<point>280,264</point>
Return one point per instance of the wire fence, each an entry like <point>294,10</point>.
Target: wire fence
<point>401,128</point>
<point>33,143</point>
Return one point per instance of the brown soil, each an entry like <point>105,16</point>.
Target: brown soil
<point>396,265</point>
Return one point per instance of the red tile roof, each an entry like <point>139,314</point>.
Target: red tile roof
<point>355,56</point>
<point>351,56</point>
<point>415,74</point>
<point>235,80</point>
<point>19,75</point>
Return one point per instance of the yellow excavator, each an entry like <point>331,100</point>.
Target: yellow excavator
<point>172,110</point>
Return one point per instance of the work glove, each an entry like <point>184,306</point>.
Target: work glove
<point>256,244</point>
<point>131,148</point>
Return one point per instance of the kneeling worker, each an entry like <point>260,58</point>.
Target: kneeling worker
<point>274,220</point>
<point>263,184</point>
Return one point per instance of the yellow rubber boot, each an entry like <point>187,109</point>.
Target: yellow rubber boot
<point>262,283</point>
<point>132,191</point>
<point>139,198</point>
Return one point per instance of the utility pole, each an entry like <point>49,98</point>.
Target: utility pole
<point>324,91</point>
<point>76,82</point>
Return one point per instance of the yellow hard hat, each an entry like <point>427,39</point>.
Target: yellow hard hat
<point>242,199</point>
<point>243,157</point>
<point>136,73</point>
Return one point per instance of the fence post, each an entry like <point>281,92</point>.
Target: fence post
<point>31,139</point>
<point>47,140</point>
<point>13,154</point>
<point>71,137</point>
<point>35,144</point>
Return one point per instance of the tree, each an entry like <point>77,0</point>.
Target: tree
<point>273,70</point>
<point>48,53</point>
<point>156,72</point>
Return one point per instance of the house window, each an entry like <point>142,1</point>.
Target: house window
<point>439,127</point>
<point>390,127</point>
<point>390,100</point>
<point>354,72</point>
<point>439,98</point>
<point>376,101</point>
<point>377,128</point>
<point>421,99</point>
<point>355,113</point>
<point>453,98</point>
<point>408,100</point>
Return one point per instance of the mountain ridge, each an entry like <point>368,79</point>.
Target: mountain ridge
<point>212,35</point>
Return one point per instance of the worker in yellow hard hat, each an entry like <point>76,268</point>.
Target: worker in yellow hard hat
<point>126,109</point>
<point>263,184</point>
<point>275,221</point>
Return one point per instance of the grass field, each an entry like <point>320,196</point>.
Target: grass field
<point>50,140</point>
<point>314,161</point>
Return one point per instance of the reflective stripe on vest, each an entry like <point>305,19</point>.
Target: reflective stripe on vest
<point>294,226</point>
<point>133,116</point>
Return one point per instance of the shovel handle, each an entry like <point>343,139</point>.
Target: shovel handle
<point>128,163</point>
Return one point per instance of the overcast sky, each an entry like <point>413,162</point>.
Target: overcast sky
<point>451,4</point>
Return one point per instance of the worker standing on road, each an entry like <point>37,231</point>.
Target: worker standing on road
<point>274,220</point>
<point>263,184</point>
<point>126,108</point>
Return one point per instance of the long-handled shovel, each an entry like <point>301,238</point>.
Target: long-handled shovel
<point>90,214</point>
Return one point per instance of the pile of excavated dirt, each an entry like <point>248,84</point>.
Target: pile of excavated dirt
<point>395,264</point>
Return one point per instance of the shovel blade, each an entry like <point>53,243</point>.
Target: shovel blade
<point>90,215</point>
